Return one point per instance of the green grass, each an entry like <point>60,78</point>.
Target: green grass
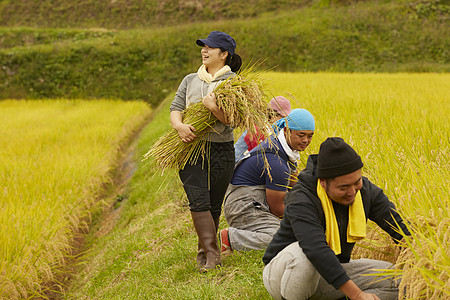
<point>11,37</point>
<point>150,253</point>
<point>147,63</point>
<point>131,13</point>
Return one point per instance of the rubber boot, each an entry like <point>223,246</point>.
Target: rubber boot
<point>206,230</point>
<point>201,256</point>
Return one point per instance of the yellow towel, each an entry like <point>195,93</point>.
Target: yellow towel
<point>356,229</point>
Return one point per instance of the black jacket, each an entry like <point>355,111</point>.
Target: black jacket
<point>304,221</point>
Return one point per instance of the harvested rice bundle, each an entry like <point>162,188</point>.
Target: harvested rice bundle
<point>241,99</point>
<point>170,152</point>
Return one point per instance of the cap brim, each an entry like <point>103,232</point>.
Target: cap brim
<point>202,42</point>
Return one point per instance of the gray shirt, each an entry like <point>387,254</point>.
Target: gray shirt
<point>192,90</point>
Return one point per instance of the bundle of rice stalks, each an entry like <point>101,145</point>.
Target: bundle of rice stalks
<point>241,98</point>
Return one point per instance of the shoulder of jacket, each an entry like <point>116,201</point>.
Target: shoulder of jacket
<point>190,76</point>
<point>367,187</point>
<point>370,192</point>
<point>225,76</point>
<point>300,193</point>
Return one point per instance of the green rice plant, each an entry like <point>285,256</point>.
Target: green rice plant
<point>55,157</point>
<point>241,98</point>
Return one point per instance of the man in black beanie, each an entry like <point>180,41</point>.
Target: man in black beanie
<point>325,214</point>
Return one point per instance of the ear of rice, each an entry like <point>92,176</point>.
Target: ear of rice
<point>241,98</point>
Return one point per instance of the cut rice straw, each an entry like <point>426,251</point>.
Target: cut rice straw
<point>240,97</point>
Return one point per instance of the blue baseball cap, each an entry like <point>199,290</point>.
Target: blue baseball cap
<point>219,39</point>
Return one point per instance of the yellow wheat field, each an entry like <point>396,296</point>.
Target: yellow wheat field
<point>399,123</point>
<point>54,156</point>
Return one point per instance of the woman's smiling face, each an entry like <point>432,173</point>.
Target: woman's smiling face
<point>213,57</point>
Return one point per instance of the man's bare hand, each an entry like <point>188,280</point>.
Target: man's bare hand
<point>366,296</point>
<point>351,290</point>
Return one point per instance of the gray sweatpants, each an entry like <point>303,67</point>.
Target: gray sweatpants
<point>252,225</point>
<point>290,275</point>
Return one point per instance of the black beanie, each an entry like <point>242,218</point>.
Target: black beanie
<point>337,158</point>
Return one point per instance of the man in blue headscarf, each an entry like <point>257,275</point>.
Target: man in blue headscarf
<point>253,203</point>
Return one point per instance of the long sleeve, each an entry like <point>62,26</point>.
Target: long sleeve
<point>305,221</point>
<point>383,212</point>
<point>179,102</point>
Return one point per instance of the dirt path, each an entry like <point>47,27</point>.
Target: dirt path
<point>104,219</point>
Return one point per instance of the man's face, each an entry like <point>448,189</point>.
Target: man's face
<point>343,189</point>
<point>298,139</point>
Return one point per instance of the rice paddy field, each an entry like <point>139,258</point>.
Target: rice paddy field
<point>55,156</point>
<point>400,125</point>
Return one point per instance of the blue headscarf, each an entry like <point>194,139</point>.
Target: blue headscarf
<point>298,119</point>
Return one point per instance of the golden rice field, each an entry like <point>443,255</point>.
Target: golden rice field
<point>400,125</point>
<point>55,154</point>
<point>54,157</point>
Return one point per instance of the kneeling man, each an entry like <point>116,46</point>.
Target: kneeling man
<point>253,203</point>
<point>326,213</point>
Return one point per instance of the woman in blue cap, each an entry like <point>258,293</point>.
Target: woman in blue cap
<point>206,181</point>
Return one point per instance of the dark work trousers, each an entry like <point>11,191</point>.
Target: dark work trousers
<point>206,182</point>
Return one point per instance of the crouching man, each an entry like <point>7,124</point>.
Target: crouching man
<point>326,213</point>
<point>253,202</point>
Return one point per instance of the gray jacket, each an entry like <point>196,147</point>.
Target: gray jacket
<point>191,90</point>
